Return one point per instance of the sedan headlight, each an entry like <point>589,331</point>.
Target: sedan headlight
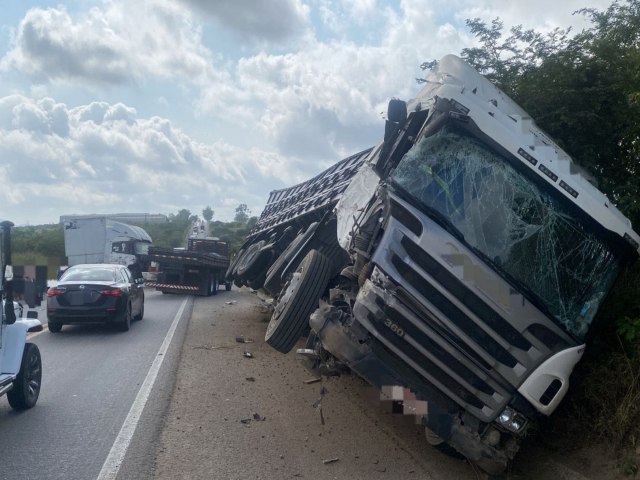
<point>512,420</point>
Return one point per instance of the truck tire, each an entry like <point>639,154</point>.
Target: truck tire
<point>26,387</point>
<point>213,284</point>
<point>232,266</point>
<point>273,280</point>
<point>298,299</point>
<point>254,262</point>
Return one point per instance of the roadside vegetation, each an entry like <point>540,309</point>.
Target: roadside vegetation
<point>584,90</point>
<point>44,244</point>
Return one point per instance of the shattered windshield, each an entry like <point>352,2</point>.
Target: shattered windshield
<point>529,236</point>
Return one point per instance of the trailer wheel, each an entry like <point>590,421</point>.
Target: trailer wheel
<point>299,297</point>
<point>227,286</point>
<point>254,260</point>
<point>232,266</point>
<point>213,284</point>
<point>26,388</point>
<point>273,281</point>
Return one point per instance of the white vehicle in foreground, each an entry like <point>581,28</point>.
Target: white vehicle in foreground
<point>20,361</point>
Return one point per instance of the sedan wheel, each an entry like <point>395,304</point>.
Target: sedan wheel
<point>125,325</point>
<point>54,327</point>
<point>26,388</point>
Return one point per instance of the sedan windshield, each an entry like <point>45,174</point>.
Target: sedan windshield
<point>81,274</point>
<point>526,234</point>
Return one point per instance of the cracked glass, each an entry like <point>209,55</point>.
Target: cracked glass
<point>526,234</point>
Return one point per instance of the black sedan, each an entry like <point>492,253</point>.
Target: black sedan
<point>95,293</point>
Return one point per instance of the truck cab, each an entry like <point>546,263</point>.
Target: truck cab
<point>459,271</point>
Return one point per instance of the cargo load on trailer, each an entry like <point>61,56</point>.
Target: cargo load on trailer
<point>198,270</point>
<point>458,266</point>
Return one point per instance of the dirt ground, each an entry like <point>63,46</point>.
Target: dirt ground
<point>234,417</point>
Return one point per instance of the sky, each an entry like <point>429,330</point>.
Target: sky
<point>120,106</point>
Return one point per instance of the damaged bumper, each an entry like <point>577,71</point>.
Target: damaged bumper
<point>357,343</point>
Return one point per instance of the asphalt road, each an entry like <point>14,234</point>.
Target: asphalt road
<point>92,377</point>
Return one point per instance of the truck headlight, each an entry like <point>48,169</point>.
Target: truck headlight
<point>512,420</point>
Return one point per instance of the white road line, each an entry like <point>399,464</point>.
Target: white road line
<point>112,464</point>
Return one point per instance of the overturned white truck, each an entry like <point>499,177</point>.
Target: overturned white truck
<point>458,264</point>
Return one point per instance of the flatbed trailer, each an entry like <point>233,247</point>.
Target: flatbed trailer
<point>199,270</point>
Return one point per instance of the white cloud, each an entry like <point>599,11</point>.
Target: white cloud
<point>110,159</point>
<point>305,80</point>
<point>257,20</point>
<point>113,45</point>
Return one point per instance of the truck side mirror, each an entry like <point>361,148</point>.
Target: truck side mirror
<point>396,116</point>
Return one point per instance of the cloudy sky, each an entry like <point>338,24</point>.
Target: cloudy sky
<point>157,105</point>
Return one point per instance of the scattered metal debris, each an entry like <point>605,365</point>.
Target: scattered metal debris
<point>256,416</point>
<point>318,402</point>
<point>245,421</point>
<point>312,380</point>
<point>243,339</point>
<point>330,460</point>
<point>250,379</point>
<point>232,302</point>
<point>210,347</point>
<point>248,354</point>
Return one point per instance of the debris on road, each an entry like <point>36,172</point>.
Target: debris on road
<point>312,380</point>
<point>256,416</point>
<point>248,354</point>
<point>250,379</point>
<point>323,392</point>
<point>245,421</point>
<point>330,460</point>
<point>232,302</point>
<point>243,339</point>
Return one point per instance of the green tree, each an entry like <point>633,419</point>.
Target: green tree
<point>207,213</point>
<point>242,213</point>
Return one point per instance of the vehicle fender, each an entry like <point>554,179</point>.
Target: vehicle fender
<point>13,340</point>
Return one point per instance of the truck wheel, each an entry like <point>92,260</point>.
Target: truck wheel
<point>254,260</point>
<point>125,323</point>
<point>26,388</point>
<point>54,327</point>
<point>213,284</point>
<point>232,266</point>
<point>299,297</point>
<point>273,281</point>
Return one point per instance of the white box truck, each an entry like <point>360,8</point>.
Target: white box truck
<point>97,239</point>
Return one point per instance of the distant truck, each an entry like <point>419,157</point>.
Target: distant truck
<point>198,270</point>
<point>100,240</point>
<point>457,266</point>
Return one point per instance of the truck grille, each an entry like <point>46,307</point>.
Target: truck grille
<point>440,329</point>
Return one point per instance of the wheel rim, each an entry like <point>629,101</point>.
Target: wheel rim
<point>289,290</point>
<point>33,375</point>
